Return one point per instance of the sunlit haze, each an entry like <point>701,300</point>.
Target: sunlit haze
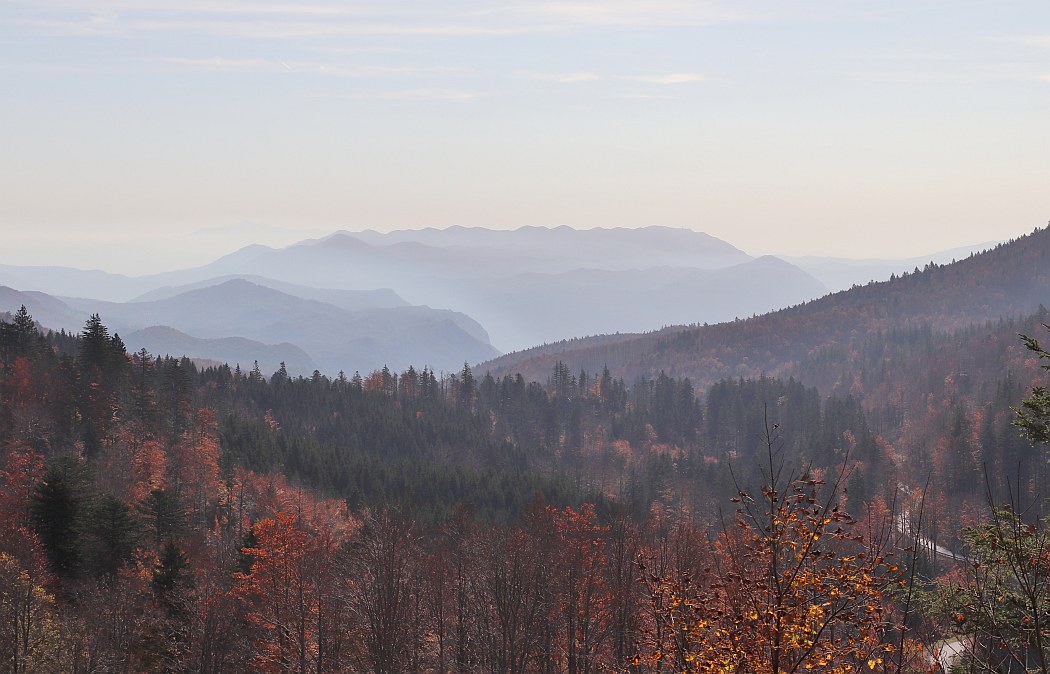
<point>142,135</point>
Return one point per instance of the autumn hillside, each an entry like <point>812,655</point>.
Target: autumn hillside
<point>166,517</point>
<point>1009,281</point>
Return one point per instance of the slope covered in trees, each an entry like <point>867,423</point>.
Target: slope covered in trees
<point>1009,281</point>
<point>165,518</point>
<point>155,519</point>
<point>932,358</point>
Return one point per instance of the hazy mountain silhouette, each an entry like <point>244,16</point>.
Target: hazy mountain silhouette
<point>49,311</point>
<point>231,350</point>
<point>361,300</point>
<point>539,308</point>
<point>842,273</point>
<point>568,248</point>
<point>335,338</point>
<point>1010,280</point>
<point>351,300</point>
<point>66,281</point>
<point>534,284</point>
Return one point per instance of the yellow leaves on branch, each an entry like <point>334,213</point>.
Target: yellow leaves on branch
<point>783,593</point>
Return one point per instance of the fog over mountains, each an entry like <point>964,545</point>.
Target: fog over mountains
<point>360,300</point>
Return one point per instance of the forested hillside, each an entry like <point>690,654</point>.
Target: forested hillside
<point>933,359</point>
<point>1010,281</point>
<point>159,517</point>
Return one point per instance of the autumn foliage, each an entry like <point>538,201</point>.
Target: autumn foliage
<point>158,518</point>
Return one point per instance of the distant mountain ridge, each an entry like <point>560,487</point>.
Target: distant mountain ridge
<point>597,248</point>
<point>533,285</point>
<point>351,300</point>
<point>232,350</point>
<point>240,322</point>
<point>588,302</point>
<point>840,274</point>
<point>1008,281</point>
<point>359,300</point>
<point>334,337</point>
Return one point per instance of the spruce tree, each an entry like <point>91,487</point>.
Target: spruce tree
<point>1033,416</point>
<point>57,506</point>
<point>111,535</point>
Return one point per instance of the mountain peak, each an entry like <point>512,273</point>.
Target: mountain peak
<point>342,239</point>
<point>1007,281</point>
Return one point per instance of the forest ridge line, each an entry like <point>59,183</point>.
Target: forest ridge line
<point>368,297</point>
<point>1008,281</point>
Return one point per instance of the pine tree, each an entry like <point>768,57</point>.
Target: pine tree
<point>57,507</point>
<point>25,333</point>
<point>1033,416</point>
<point>163,515</point>
<point>111,534</point>
<point>171,578</point>
<point>467,391</point>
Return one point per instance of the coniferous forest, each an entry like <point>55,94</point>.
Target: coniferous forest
<point>163,517</point>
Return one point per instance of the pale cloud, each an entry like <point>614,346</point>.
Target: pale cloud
<point>963,74</point>
<point>254,19</point>
<point>378,71</point>
<point>231,7</point>
<point>293,30</point>
<point>451,95</point>
<point>648,96</point>
<point>1041,41</point>
<point>564,78</point>
<point>629,13</point>
<point>918,77</point>
<point>53,69</point>
<point>219,64</point>
<point>670,78</point>
<point>356,50</point>
<point>910,56</point>
<point>257,26</point>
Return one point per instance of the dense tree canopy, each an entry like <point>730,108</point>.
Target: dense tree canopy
<point>164,517</point>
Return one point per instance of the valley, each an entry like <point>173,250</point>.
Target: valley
<point>600,471</point>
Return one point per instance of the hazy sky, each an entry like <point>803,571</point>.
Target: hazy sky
<point>147,134</point>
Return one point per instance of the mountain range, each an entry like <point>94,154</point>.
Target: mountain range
<point>361,300</point>
<point>1009,281</point>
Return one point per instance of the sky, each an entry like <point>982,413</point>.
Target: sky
<point>143,135</point>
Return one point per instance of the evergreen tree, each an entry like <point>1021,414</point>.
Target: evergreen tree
<point>164,516</point>
<point>102,362</point>
<point>467,391</point>
<point>57,505</point>
<point>1033,416</point>
<point>25,333</point>
<point>142,398</point>
<point>171,578</point>
<point>111,534</point>
<point>176,397</point>
<point>101,356</point>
